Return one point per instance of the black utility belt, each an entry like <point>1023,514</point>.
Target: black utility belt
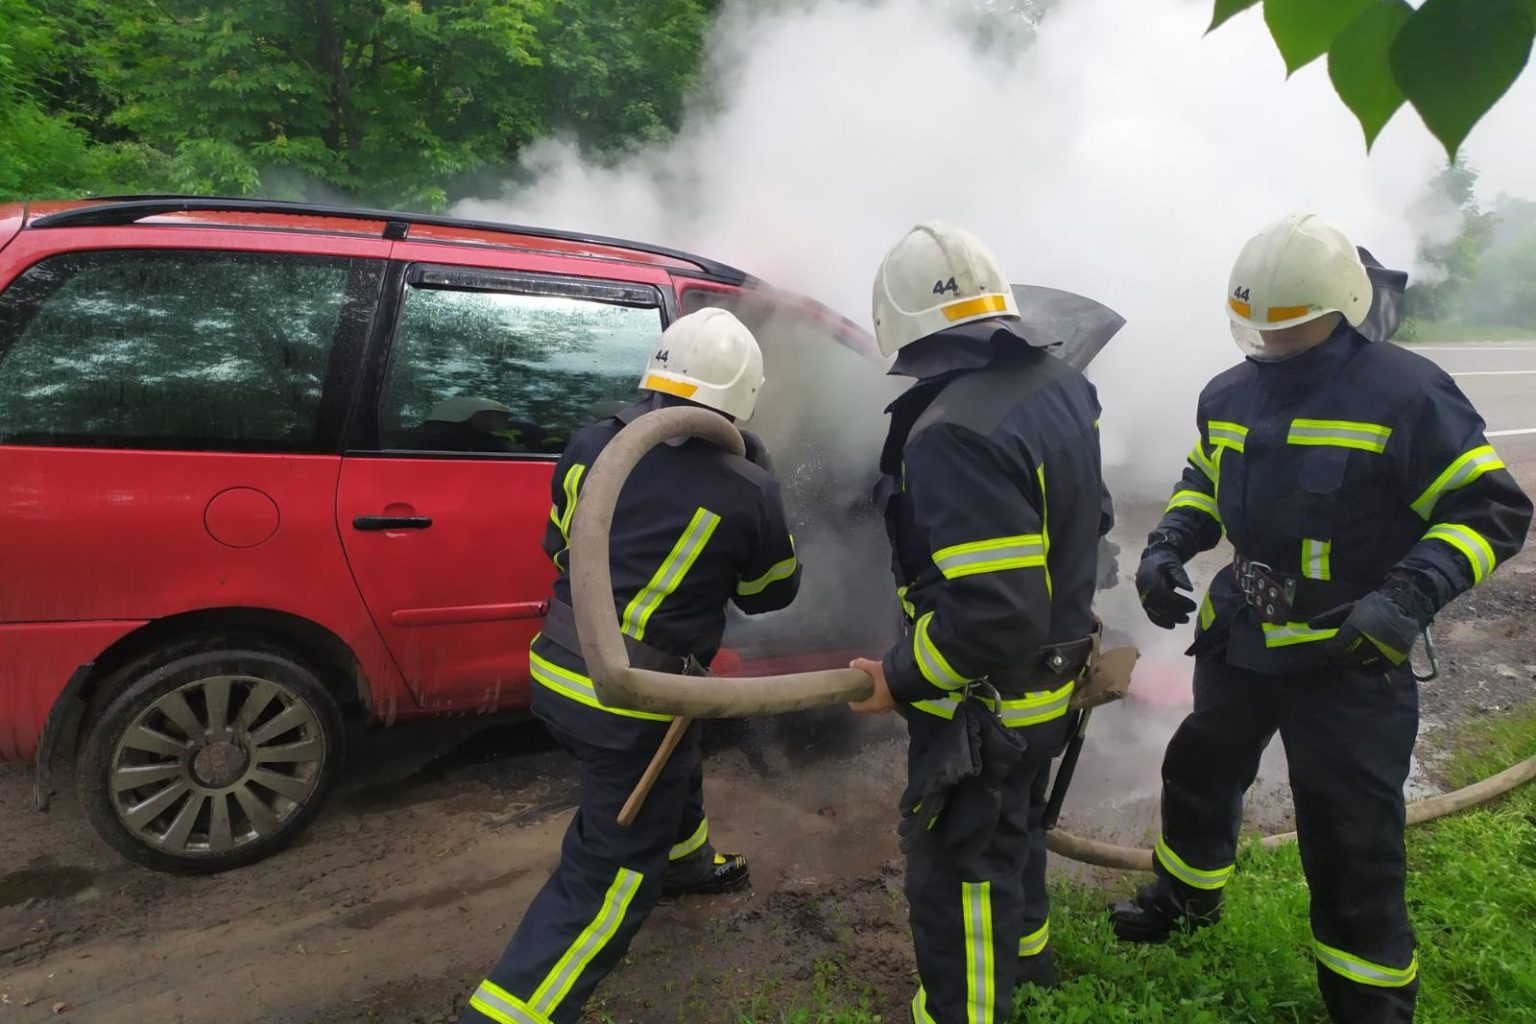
<point>1049,668</point>
<point>1279,599</point>
<point>560,627</point>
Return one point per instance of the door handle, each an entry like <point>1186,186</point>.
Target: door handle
<point>376,523</point>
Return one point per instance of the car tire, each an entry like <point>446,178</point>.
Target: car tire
<point>208,756</point>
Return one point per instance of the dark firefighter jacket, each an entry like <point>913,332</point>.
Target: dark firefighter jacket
<point>994,501</point>
<point>1336,468</point>
<point>695,527</point>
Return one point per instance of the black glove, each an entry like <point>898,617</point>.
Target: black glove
<point>1159,579</point>
<point>1109,564</point>
<point>1374,633</point>
<point>955,796</point>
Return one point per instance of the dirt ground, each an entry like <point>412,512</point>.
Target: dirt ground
<point>404,891</point>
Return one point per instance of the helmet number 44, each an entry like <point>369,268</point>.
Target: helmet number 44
<point>940,287</point>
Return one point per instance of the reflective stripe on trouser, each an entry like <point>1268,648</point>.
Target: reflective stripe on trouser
<point>1034,943</point>
<point>579,925</point>
<point>1348,740</point>
<point>970,915</point>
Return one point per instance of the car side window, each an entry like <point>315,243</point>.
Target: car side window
<point>474,370</point>
<point>176,349</point>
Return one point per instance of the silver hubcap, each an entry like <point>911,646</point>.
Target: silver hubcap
<point>216,764</point>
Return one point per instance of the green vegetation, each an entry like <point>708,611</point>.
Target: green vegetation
<point>1484,288</point>
<point>1472,894</point>
<point>1451,59</point>
<point>398,102</point>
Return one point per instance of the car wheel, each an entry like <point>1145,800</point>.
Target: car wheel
<point>205,759</point>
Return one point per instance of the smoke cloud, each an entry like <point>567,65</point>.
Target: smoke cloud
<point>1122,154</point>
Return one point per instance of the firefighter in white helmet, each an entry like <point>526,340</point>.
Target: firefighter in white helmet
<point>695,528</point>
<point>1360,496</point>
<point>993,499</point>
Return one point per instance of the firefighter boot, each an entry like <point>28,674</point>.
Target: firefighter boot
<point>1157,911</point>
<point>1038,970</point>
<point>707,875</point>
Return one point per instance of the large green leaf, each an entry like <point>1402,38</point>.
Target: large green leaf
<point>1225,9</point>
<point>1455,58</point>
<point>1305,29</point>
<point>1360,64</point>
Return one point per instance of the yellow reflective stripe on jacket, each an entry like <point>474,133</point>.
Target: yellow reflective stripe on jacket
<point>571,485</point>
<point>1207,611</point>
<point>1366,437</point>
<point>1203,462</point>
<point>1470,543</point>
<point>782,571</point>
<point>907,607</point>
<point>1292,633</point>
<point>934,666</point>
<point>1031,709</point>
<point>1458,474</point>
<point>1035,942</point>
<point>976,912</point>
<point>1194,499</point>
<point>692,844</point>
<point>670,573</point>
<point>579,688</point>
<point>557,984</point>
<point>1223,434</point>
<point>503,1007</point>
<point>1317,559</point>
<point>1045,531</point>
<point>1364,971</point>
<point>1197,877</point>
<point>1018,552</point>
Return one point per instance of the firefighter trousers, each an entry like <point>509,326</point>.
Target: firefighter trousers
<point>1348,739</point>
<point>609,880</point>
<point>974,918</point>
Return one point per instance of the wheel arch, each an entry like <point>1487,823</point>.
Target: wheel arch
<point>332,659</point>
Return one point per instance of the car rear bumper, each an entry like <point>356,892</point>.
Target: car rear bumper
<point>37,661</point>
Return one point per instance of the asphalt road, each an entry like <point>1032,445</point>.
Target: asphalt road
<point>1501,381</point>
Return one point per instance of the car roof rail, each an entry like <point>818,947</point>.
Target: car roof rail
<point>119,210</point>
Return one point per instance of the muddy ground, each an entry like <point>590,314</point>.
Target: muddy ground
<point>399,897</point>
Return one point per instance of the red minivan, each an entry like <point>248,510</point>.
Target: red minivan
<point>267,466</point>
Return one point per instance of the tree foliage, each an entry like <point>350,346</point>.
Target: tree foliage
<point>390,101</point>
<point>1451,59</point>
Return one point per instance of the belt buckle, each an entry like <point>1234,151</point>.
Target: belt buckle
<point>1270,595</point>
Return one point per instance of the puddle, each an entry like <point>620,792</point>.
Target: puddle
<point>43,880</point>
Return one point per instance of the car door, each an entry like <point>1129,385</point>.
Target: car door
<point>444,492</point>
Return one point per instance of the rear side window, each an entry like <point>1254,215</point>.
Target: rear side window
<point>474,368</point>
<point>178,350</point>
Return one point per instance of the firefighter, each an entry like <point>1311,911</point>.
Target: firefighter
<point>1360,495</point>
<point>993,499</point>
<point>694,528</point>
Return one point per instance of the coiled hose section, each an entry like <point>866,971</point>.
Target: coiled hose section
<point>1128,858</point>
<point>602,644</point>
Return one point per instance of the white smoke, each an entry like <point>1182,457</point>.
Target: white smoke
<point>1125,155</point>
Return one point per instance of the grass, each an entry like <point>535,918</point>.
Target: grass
<point>1441,332</point>
<point>1472,897</point>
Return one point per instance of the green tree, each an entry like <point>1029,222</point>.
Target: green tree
<point>388,98</point>
<point>1458,260</point>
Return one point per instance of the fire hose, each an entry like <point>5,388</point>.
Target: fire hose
<point>619,685</point>
<point>615,681</point>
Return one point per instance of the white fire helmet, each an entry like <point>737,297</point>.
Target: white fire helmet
<point>1294,271</point>
<point>937,276</point>
<point>708,357</point>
